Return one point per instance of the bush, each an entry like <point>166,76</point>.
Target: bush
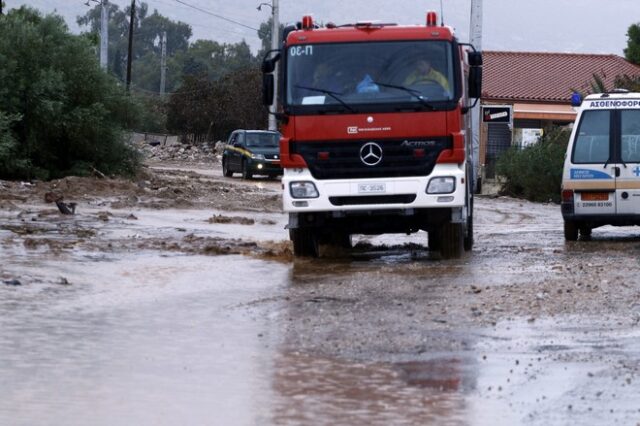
<point>60,113</point>
<point>215,109</point>
<point>535,172</point>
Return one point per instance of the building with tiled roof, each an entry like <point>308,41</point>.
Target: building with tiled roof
<point>536,89</point>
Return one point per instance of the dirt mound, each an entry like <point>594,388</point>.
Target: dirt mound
<point>153,188</point>
<point>155,151</point>
<point>231,219</point>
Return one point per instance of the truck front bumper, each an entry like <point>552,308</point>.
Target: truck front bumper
<point>352,195</point>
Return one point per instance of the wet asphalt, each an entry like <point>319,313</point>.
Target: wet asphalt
<point>108,329</point>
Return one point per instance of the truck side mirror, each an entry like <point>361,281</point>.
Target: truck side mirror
<point>269,65</point>
<point>475,59</point>
<point>267,89</point>
<point>475,82</point>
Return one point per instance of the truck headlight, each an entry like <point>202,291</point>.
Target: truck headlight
<point>303,190</point>
<point>257,156</point>
<point>441,185</point>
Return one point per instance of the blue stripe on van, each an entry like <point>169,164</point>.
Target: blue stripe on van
<point>589,174</point>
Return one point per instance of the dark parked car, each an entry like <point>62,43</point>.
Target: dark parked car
<point>252,152</point>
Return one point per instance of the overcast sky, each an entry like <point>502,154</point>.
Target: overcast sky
<point>575,26</point>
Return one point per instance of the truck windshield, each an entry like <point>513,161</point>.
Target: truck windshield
<point>346,75</point>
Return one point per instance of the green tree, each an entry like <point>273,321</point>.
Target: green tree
<point>148,31</point>
<point>60,114</point>
<point>632,51</point>
<point>215,60</point>
<point>10,162</point>
<point>118,34</point>
<point>264,32</point>
<point>632,84</point>
<point>213,109</point>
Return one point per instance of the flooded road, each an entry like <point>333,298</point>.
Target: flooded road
<point>201,316</point>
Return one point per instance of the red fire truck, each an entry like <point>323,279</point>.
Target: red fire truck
<point>376,132</point>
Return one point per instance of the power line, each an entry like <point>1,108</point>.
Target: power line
<point>224,18</point>
<point>235,22</point>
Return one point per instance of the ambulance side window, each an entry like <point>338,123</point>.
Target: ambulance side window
<point>630,135</point>
<point>592,143</point>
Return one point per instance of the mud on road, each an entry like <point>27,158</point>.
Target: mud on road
<point>175,297</point>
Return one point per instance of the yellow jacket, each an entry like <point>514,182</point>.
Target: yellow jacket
<point>432,75</point>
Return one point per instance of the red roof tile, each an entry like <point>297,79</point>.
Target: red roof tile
<point>547,77</point>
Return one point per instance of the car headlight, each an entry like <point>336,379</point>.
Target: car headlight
<point>441,185</point>
<point>303,190</point>
<point>257,156</point>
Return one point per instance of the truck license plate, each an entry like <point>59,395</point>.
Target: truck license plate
<point>371,188</point>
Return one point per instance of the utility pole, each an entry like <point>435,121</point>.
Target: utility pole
<point>130,55</point>
<point>163,63</point>
<point>104,34</point>
<point>275,44</point>
<point>475,38</point>
<point>475,30</point>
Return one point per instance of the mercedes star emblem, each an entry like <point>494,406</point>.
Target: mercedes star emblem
<point>371,154</point>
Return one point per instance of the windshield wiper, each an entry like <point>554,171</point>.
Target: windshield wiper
<point>415,93</point>
<point>334,95</point>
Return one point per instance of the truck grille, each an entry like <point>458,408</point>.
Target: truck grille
<point>342,159</point>
<point>373,199</point>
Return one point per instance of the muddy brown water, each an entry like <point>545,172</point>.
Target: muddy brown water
<point>128,321</point>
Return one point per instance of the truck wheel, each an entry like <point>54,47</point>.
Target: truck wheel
<point>305,242</point>
<point>468,236</point>
<point>225,168</point>
<point>434,241</point>
<point>340,239</point>
<point>570,230</point>
<point>246,173</point>
<point>452,240</point>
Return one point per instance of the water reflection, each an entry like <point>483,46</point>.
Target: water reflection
<point>142,340</point>
<point>324,391</point>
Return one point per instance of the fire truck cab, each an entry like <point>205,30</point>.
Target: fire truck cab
<point>376,132</point>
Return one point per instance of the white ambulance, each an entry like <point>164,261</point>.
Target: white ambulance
<point>601,176</point>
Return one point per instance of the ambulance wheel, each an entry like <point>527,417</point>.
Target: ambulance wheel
<point>570,230</point>
<point>452,240</point>
<point>305,242</point>
<point>585,232</point>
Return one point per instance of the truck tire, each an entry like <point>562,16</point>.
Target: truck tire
<point>434,240</point>
<point>305,242</point>
<point>452,240</point>
<point>340,239</point>
<point>246,173</point>
<point>468,235</point>
<point>225,168</point>
<point>570,230</point>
